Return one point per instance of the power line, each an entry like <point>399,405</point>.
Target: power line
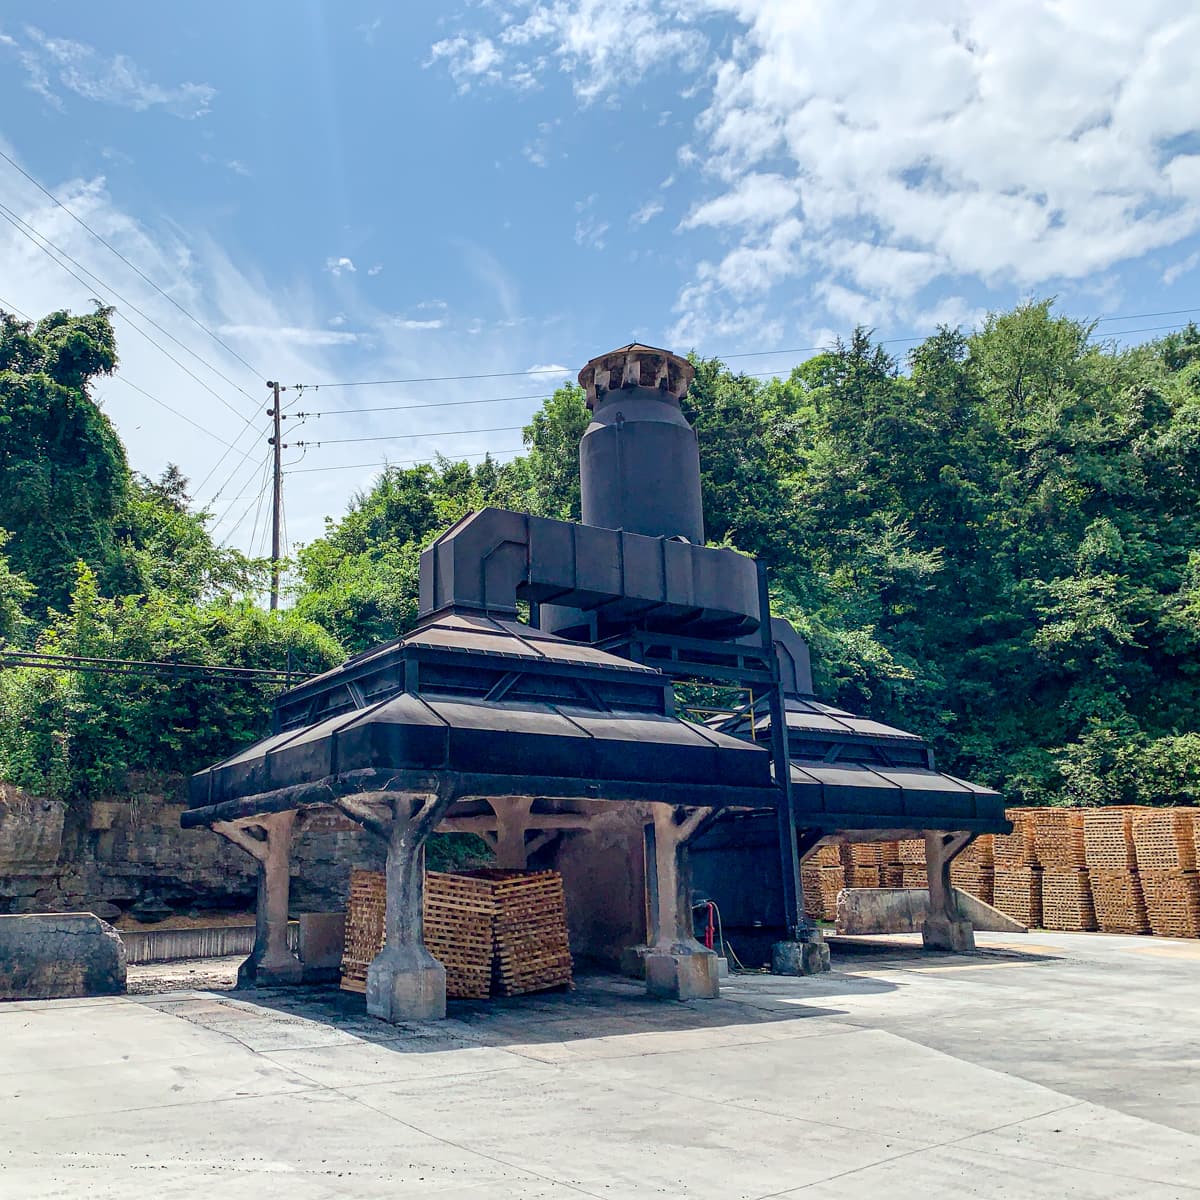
<point>13,308</point>
<point>400,462</point>
<point>181,416</point>
<point>17,223</point>
<point>137,666</point>
<point>400,437</point>
<point>137,270</point>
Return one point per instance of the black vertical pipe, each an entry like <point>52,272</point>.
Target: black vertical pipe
<point>789,852</point>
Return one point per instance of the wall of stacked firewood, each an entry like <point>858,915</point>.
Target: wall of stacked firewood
<point>1116,870</point>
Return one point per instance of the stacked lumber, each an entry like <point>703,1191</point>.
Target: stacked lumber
<point>364,928</point>
<point>1112,864</point>
<point>1058,839</point>
<point>891,875</point>
<point>531,950</point>
<point>862,877</point>
<point>1164,842</point>
<point>821,886</point>
<point>495,932</point>
<point>1018,892</point>
<point>862,854</point>
<point>459,914</point>
<point>1067,901</point>
<point>828,854</point>
<point>973,878</point>
<point>911,852</point>
<point>1016,849</point>
<point>1119,902</point>
<point>913,876</point>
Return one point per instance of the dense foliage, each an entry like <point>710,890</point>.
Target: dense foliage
<point>997,546</point>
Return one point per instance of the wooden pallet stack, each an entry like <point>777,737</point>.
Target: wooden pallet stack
<point>1112,864</point>
<point>974,870</point>
<point>821,886</point>
<point>1058,840</point>
<point>1017,881</point>
<point>531,949</point>
<point>861,861</point>
<point>495,932</point>
<point>460,912</point>
<point>1164,842</point>
<point>891,870</point>
<point>364,928</point>
<point>911,853</point>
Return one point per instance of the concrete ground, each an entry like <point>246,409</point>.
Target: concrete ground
<point>1046,1066</point>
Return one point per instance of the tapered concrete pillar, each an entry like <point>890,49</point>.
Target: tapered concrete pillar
<point>404,981</point>
<point>677,966</point>
<point>268,839</point>
<point>944,927</point>
<point>512,823</point>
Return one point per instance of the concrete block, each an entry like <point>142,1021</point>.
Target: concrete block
<point>800,958</point>
<point>682,971</point>
<point>903,910</point>
<point>322,941</point>
<point>406,983</point>
<point>47,956</point>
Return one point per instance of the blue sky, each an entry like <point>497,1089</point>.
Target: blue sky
<point>368,191</point>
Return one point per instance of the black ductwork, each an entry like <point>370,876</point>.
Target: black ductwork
<point>491,559</point>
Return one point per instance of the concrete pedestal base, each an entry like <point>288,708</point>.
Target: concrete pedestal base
<point>942,933</point>
<point>682,971</point>
<point>406,983</point>
<point>800,958</point>
<point>281,972</point>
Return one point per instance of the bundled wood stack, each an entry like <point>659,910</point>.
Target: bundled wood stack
<point>496,932</point>
<point>974,869</point>
<point>364,928</point>
<point>891,870</point>
<point>828,854</point>
<point>1017,879</point>
<point>861,861</point>
<point>532,952</point>
<point>1164,842</point>
<point>1112,864</point>
<point>459,915</point>
<point>821,886</point>
<point>1058,840</point>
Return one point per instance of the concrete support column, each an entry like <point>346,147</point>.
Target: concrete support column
<point>677,966</point>
<point>944,928</point>
<point>512,822</point>
<point>404,981</point>
<point>268,839</point>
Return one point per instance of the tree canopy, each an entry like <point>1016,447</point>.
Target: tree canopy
<point>995,543</point>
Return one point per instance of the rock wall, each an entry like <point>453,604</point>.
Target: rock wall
<point>117,855</point>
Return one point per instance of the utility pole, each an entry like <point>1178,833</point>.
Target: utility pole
<point>277,496</point>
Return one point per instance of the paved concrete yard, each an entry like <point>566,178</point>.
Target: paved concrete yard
<point>1047,1066</point>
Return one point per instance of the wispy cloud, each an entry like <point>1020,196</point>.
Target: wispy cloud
<point>1178,270</point>
<point>375,270</point>
<point>340,266</point>
<point>647,212</point>
<point>292,333</point>
<point>368,29</point>
<point>54,65</point>
<point>418,323</point>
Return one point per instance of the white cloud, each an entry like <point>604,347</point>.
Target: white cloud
<point>548,369</point>
<point>290,333</point>
<point>238,167</point>
<point>368,29</point>
<point>887,150</point>
<point>468,61</point>
<point>375,270</point>
<point>340,266</point>
<point>1179,269</point>
<point>413,323</point>
<point>589,228</point>
<point>647,212</point>
<point>53,64</point>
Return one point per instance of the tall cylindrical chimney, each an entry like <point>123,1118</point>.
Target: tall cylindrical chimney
<point>639,462</point>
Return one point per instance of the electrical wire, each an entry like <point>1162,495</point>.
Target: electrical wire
<point>217,523</point>
<point>19,225</point>
<point>402,462</point>
<point>133,267</point>
<point>181,416</point>
<point>401,437</point>
<point>13,308</point>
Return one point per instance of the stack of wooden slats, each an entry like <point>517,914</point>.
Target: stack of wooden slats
<point>1017,882</point>
<point>364,928</point>
<point>891,870</point>
<point>861,861</point>
<point>1112,865</point>
<point>974,870</point>
<point>531,950</point>
<point>911,853</point>
<point>1066,888</point>
<point>821,886</point>
<point>460,911</point>
<point>1164,843</point>
<point>495,932</point>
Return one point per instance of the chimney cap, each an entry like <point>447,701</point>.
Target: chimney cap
<point>633,366</point>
